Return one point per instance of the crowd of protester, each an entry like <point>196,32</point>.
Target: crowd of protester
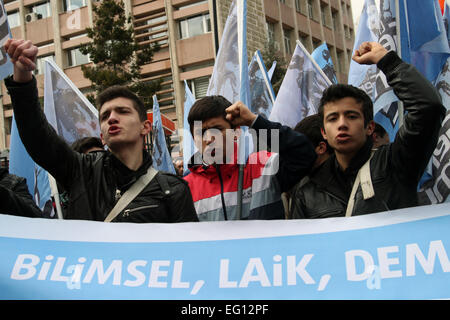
<point>336,163</point>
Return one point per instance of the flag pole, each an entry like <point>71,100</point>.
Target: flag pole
<point>241,15</point>
<point>400,108</point>
<point>55,195</point>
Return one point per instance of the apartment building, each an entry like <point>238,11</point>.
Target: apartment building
<point>188,32</point>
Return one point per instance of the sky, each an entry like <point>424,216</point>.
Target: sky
<point>357,6</point>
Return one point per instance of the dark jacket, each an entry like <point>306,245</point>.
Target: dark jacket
<point>15,198</point>
<point>94,180</point>
<point>395,168</point>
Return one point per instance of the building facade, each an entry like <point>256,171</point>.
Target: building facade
<point>188,32</point>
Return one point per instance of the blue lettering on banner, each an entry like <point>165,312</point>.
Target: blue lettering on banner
<point>400,260</point>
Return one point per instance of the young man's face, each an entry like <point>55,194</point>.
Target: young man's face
<point>344,125</point>
<point>212,139</point>
<point>120,124</point>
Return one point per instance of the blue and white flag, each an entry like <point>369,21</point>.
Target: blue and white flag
<point>378,26</point>
<point>323,58</point>
<point>189,147</point>
<point>301,90</point>
<point>261,90</point>
<point>68,111</point>
<point>272,69</point>
<point>230,74</point>
<point>160,154</point>
<point>21,164</point>
<point>6,67</point>
<point>424,41</point>
<point>437,189</point>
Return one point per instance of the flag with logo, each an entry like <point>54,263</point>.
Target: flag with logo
<point>323,58</point>
<point>378,26</point>
<point>437,189</point>
<point>21,164</point>
<point>189,147</point>
<point>230,74</point>
<point>301,89</point>
<point>69,112</point>
<point>160,154</point>
<point>261,92</point>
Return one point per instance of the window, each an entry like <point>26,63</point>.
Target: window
<point>199,86</point>
<point>154,24</point>
<point>323,13</point>
<point>340,59</point>
<point>335,18</point>
<point>304,41</point>
<point>192,4</point>
<point>287,41</point>
<point>40,64</point>
<point>43,9</point>
<point>157,35</point>
<point>310,9</point>
<point>75,57</point>
<point>298,6</point>
<point>70,5</point>
<point>316,43</point>
<point>13,19</point>
<point>195,26</point>
<point>271,31</point>
<point>8,125</point>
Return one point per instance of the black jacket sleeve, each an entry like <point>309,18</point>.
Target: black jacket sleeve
<point>43,144</point>
<point>417,138</point>
<point>16,200</point>
<point>182,205</point>
<point>297,154</point>
<point>179,198</point>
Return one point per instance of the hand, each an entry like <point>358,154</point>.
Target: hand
<point>369,53</point>
<point>23,55</point>
<point>239,115</point>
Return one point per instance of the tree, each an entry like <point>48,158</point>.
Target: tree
<point>271,54</point>
<point>116,54</point>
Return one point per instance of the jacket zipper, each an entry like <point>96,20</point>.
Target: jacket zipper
<point>127,212</point>
<point>221,193</point>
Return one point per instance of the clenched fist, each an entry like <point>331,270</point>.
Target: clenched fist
<point>23,55</point>
<point>369,53</point>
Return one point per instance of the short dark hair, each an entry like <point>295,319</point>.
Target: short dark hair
<point>117,91</point>
<point>339,91</point>
<point>310,127</point>
<point>206,108</point>
<point>379,130</point>
<point>86,143</point>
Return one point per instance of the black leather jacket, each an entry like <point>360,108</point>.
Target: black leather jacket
<point>15,198</point>
<point>91,180</point>
<point>395,168</point>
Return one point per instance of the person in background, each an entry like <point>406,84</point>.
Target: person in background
<point>379,136</point>
<point>15,199</point>
<point>178,165</point>
<point>311,128</point>
<point>88,144</point>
